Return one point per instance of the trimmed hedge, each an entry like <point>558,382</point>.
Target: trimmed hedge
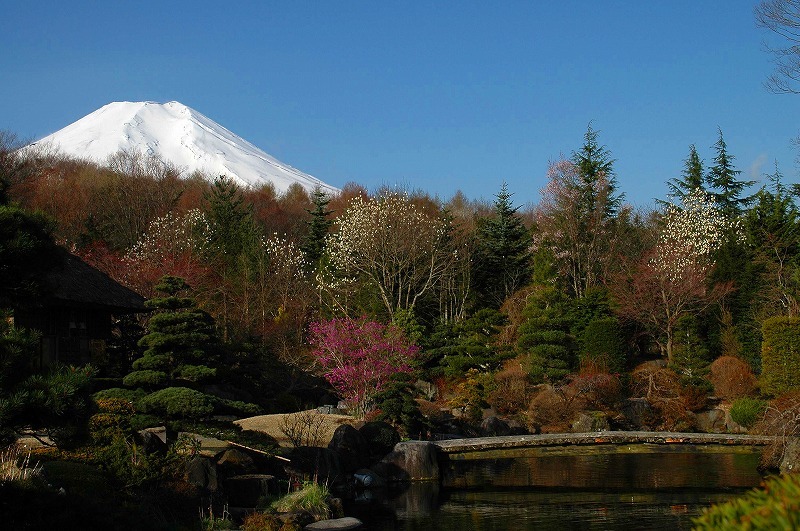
<point>145,378</point>
<point>780,355</point>
<point>603,344</point>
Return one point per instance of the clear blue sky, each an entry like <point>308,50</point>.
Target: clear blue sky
<point>439,96</point>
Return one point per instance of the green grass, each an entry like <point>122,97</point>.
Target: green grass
<point>312,498</point>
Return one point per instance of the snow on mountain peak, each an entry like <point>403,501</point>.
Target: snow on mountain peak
<point>180,135</point>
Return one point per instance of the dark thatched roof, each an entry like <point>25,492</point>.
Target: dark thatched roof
<point>76,282</point>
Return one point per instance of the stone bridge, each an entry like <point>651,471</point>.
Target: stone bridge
<point>599,442</point>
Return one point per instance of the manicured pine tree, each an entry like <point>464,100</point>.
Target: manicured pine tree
<point>545,336</point>
<point>504,260</point>
<point>180,342</point>
<point>722,176</point>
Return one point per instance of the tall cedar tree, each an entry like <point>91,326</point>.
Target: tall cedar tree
<point>594,162</point>
<point>723,178</point>
<point>692,177</point>
<point>504,260</point>
<point>180,341</point>
<point>318,227</point>
<point>231,221</point>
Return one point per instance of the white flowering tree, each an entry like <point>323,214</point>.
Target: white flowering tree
<point>391,242</point>
<point>671,280</point>
<point>174,244</point>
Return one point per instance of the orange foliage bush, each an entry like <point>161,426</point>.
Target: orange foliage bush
<point>552,410</point>
<point>512,390</point>
<point>732,378</point>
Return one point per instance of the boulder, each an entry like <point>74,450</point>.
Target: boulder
<point>234,462</point>
<point>590,422</point>
<point>201,472</point>
<point>340,524</point>
<point>310,461</point>
<point>790,462</point>
<point>635,411</point>
<point>495,426</point>
<point>351,446</point>
<point>711,421</point>
<point>410,461</point>
<point>153,440</point>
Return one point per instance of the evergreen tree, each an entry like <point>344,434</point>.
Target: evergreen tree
<point>318,227</point>
<point>594,164</point>
<point>545,336</point>
<point>692,177</point>
<point>504,260</point>
<point>180,343</point>
<point>233,231</point>
<point>723,178</point>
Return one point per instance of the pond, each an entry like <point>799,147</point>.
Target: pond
<point>644,488</point>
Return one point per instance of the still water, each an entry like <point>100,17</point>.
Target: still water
<point>641,490</point>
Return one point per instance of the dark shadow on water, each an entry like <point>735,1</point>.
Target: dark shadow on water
<point>640,491</point>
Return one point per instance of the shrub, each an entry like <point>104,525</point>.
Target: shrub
<point>236,407</point>
<point>747,411</point>
<point>145,378</point>
<point>261,522</point>
<point>471,393</point>
<point>196,373</point>
<point>511,391</point>
<point>776,506</point>
<point>397,406</point>
<point>603,344</point>
<point>551,410</point>
<point>780,355</point>
<point>304,428</point>
<point>670,401</point>
<point>179,402</point>
<point>595,389</point>
<point>128,395</point>
<point>312,499</point>
<point>780,419</point>
<point>381,437</point>
<point>732,378</point>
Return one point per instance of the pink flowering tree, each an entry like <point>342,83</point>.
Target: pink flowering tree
<point>358,356</point>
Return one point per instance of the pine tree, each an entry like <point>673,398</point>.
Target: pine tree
<point>180,342</point>
<point>594,164</point>
<point>504,259</point>
<point>723,178</point>
<point>318,227</point>
<point>232,227</point>
<point>692,177</point>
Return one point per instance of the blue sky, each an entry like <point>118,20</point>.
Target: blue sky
<point>438,96</point>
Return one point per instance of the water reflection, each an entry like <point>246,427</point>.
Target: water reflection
<point>619,491</point>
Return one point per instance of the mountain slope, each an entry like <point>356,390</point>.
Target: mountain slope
<point>179,135</point>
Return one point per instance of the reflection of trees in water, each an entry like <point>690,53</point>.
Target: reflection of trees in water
<point>633,471</point>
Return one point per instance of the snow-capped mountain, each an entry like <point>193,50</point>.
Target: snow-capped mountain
<point>179,135</point>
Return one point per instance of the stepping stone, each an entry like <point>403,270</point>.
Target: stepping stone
<point>347,522</point>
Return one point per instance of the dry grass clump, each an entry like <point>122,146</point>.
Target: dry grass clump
<point>15,464</point>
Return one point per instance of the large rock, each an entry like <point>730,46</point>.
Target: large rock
<point>410,461</point>
<point>351,446</point>
<point>495,426</point>
<point>790,462</point>
<point>234,462</point>
<point>340,524</point>
<point>153,440</point>
<point>711,421</point>
<point>381,438</point>
<point>201,472</point>
<point>591,421</point>
<point>309,462</point>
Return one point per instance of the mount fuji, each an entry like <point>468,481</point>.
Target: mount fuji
<point>180,135</point>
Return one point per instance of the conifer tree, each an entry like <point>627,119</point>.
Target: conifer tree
<point>504,260</point>
<point>692,177</point>
<point>318,227</point>
<point>594,164</point>
<point>180,341</point>
<point>723,178</point>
